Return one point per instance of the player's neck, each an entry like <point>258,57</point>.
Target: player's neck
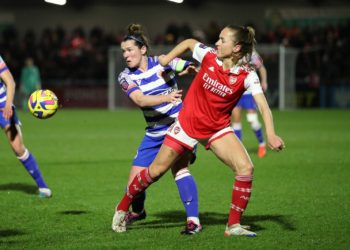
<point>227,63</point>
<point>144,64</point>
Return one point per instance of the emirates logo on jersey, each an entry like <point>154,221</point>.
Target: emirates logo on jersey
<point>232,80</point>
<point>176,130</point>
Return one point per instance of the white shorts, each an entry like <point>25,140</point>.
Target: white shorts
<point>177,134</point>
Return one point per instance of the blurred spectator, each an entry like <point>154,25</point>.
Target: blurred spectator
<point>82,55</point>
<point>30,81</point>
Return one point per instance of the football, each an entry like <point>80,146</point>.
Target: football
<point>43,103</point>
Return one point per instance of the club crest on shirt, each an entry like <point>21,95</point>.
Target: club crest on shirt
<point>176,130</point>
<point>232,80</point>
<point>124,84</point>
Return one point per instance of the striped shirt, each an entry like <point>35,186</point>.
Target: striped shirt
<point>157,80</point>
<point>257,62</point>
<point>3,68</point>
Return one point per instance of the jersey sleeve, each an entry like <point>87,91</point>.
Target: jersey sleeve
<point>252,83</point>
<point>126,83</point>
<point>199,51</point>
<point>256,60</point>
<point>3,66</point>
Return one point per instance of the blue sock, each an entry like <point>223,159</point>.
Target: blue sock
<point>32,168</point>
<point>138,205</point>
<point>259,135</point>
<point>188,192</point>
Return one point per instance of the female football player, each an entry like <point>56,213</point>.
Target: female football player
<point>10,123</point>
<point>153,88</point>
<point>205,118</point>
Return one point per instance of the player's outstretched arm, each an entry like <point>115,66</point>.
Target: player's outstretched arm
<point>142,100</point>
<point>179,49</point>
<point>274,141</point>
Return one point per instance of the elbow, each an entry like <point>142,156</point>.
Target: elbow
<point>140,103</point>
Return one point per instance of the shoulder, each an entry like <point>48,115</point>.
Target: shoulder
<point>252,78</point>
<point>124,75</point>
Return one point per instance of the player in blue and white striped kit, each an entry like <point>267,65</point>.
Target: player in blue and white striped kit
<point>153,88</point>
<point>247,102</point>
<point>10,123</point>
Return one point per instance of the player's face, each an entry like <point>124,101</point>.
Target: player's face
<point>225,45</point>
<point>131,54</point>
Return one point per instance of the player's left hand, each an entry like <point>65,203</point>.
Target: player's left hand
<point>191,69</point>
<point>276,143</point>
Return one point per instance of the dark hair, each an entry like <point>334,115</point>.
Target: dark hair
<point>244,36</point>
<point>136,33</point>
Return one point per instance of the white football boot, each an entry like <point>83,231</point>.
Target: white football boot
<point>45,192</point>
<point>119,221</point>
<point>238,230</point>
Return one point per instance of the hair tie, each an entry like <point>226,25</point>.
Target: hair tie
<point>135,39</point>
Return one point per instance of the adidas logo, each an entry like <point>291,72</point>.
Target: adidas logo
<point>211,69</point>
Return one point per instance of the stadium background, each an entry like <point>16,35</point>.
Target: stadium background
<point>70,43</point>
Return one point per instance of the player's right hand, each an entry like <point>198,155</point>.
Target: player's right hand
<point>276,143</point>
<point>175,96</point>
<point>7,112</point>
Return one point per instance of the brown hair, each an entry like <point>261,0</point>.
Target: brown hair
<point>136,33</point>
<point>244,36</point>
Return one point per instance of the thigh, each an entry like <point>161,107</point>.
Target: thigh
<point>182,162</point>
<point>164,160</point>
<point>14,135</point>
<point>231,151</point>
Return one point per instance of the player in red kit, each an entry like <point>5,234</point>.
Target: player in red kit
<point>224,75</point>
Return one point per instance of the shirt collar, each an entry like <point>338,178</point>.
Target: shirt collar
<point>234,70</point>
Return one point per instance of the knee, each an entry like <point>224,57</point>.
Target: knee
<point>156,171</point>
<point>253,119</point>
<point>245,168</point>
<point>22,154</point>
<point>19,150</point>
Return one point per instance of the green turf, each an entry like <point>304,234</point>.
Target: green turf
<point>300,197</point>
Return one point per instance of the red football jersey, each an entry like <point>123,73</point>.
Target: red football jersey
<point>213,94</point>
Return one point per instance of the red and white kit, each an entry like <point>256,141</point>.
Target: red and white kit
<point>206,110</point>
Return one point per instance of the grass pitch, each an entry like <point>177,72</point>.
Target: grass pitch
<point>300,197</point>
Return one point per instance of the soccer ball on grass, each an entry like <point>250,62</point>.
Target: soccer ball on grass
<point>43,103</point>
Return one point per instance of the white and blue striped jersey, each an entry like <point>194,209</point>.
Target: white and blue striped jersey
<point>157,80</point>
<point>257,62</point>
<point>3,67</point>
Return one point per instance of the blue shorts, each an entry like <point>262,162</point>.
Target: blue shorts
<point>148,150</point>
<point>246,102</point>
<point>14,119</point>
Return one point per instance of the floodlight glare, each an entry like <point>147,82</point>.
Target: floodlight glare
<point>176,1</point>
<point>58,2</point>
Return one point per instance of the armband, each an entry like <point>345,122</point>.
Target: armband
<point>181,65</point>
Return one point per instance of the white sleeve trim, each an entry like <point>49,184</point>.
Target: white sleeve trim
<point>252,83</point>
<point>199,51</point>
